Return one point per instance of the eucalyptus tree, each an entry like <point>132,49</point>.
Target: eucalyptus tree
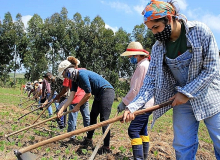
<point>58,28</point>
<point>35,60</point>
<point>7,42</point>
<point>139,33</point>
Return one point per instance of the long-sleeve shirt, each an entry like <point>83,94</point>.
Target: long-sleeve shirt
<point>203,84</point>
<point>136,83</point>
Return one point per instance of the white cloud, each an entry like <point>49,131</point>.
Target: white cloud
<point>119,6</point>
<point>181,4</point>
<point>25,20</point>
<point>114,29</point>
<point>139,8</point>
<point>213,21</point>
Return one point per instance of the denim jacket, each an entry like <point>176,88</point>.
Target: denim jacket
<point>203,84</point>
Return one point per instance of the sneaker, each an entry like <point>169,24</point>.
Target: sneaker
<point>104,150</point>
<point>87,142</point>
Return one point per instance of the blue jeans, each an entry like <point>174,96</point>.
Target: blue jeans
<point>50,110</point>
<point>84,109</point>
<point>139,126</point>
<point>186,127</point>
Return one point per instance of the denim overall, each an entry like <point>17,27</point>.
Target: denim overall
<point>185,125</point>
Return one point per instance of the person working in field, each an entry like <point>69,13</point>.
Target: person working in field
<point>184,68</point>
<point>84,109</point>
<point>93,84</point>
<point>137,130</point>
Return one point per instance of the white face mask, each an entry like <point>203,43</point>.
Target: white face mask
<point>71,73</point>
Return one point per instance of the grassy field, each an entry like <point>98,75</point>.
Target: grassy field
<point>17,75</point>
<point>161,135</point>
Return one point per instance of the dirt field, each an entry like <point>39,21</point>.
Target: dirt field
<point>160,142</point>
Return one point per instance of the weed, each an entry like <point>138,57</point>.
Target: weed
<point>32,138</point>
<point>73,152</point>
<point>2,147</point>
<point>156,153</point>
<point>84,151</point>
<point>47,150</point>
<point>19,144</point>
<point>112,147</point>
<point>1,133</point>
<point>67,151</point>
<point>58,151</point>
<point>122,149</point>
<point>79,137</point>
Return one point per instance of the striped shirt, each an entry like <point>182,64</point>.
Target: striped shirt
<point>203,84</point>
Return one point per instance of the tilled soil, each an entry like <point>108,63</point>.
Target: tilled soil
<point>160,143</point>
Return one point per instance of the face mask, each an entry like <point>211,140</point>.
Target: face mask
<point>165,34</point>
<point>133,60</point>
<point>71,74</point>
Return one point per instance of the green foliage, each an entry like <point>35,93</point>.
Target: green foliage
<point>122,149</point>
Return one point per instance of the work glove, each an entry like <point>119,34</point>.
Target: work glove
<point>121,107</point>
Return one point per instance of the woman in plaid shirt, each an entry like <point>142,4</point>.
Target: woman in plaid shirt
<point>184,68</point>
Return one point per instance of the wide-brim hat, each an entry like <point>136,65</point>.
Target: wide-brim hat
<point>35,81</point>
<point>62,66</point>
<point>135,48</point>
<point>40,80</point>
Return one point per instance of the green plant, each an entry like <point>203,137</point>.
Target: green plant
<point>112,147</point>
<point>84,151</point>
<point>47,150</point>
<point>19,144</point>
<point>156,153</point>
<point>67,151</point>
<point>58,151</point>
<point>122,149</point>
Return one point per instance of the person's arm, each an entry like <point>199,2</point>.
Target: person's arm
<point>68,102</point>
<point>62,92</point>
<point>147,90</point>
<point>136,83</point>
<point>206,64</point>
<point>83,100</point>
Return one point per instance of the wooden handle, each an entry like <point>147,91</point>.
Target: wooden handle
<point>31,126</point>
<point>29,105</point>
<point>48,105</point>
<point>92,127</point>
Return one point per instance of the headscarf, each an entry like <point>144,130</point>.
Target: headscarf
<point>157,9</point>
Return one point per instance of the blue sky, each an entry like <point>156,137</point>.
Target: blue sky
<point>115,13</point>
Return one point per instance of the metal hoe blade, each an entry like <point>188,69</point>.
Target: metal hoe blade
<point>25,156</point>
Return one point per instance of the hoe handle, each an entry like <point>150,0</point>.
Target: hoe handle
<point>89,128</point>
<point>29,105</point>
<point>47,106</point>
<point>36,124</point>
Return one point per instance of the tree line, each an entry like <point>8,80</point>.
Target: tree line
<point>43,44</point>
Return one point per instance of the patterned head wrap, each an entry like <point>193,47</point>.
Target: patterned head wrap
<point>157,9</point>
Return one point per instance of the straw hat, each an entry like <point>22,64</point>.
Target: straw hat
<point>135,48</point>
<point>35,81</point>
<point>62,66</point>
<point>40,80</point>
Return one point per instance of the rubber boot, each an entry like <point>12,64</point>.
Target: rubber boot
<point>145,141</point>
<point>137,148</point>
<point>138,152</point>
<point>145,149</point>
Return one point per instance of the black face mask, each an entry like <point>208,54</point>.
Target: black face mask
<point>165,34</point>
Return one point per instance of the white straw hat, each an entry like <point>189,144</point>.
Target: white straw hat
<point>62,66</point>
<point>35,81</point>
<point>135,48</point>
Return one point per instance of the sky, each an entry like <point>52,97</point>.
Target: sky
<point>115,13</point>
